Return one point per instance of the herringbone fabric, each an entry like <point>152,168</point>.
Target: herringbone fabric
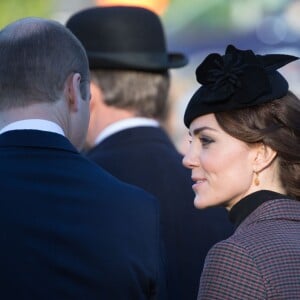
<point>261,260</point>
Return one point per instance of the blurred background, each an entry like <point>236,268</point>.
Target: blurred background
<point>195,27</point>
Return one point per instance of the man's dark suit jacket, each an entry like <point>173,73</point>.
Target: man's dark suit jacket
<point>70,230</point>
<point>145,156</point>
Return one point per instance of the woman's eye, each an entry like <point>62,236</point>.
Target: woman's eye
<point>205,141</point>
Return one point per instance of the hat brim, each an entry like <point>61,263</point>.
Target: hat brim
<point>136,61</point>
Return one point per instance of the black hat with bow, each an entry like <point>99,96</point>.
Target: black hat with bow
<point>124,37</point>
<point>237,80</point>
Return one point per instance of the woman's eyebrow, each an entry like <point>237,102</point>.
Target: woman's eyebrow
<point>196,131</point>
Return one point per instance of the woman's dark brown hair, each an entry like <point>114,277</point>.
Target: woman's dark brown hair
<point>276,124</point>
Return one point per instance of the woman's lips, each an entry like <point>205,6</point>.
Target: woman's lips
<point>198,182</point>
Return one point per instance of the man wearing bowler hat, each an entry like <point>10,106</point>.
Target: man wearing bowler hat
<point>129,65</point>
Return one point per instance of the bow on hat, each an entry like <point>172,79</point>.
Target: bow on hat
<point>236,80</point>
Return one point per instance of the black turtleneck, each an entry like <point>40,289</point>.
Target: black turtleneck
<point>248,204</point>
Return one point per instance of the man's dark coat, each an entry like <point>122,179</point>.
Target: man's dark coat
<point>70,230</point>
<point>145,156</point>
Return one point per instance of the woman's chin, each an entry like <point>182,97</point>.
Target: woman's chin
<point>199,203</point>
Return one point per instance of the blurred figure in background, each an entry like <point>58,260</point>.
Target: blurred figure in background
<point>69,230</point>
<point>129,65</point>
<point>244,155</point>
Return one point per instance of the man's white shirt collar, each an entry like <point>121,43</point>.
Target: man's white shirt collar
<point>124,124</point>
<point>35,124</point>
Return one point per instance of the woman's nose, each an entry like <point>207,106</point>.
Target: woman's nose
<point>190,159</point>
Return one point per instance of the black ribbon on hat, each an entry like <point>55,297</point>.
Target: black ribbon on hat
<point>237,80</point>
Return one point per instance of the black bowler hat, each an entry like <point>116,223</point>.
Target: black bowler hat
<point>236,80</point>
<point>124,37</point>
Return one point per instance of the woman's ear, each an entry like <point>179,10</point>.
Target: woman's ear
<point>264,157</point>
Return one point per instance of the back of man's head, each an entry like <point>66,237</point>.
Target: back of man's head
<point>143,93</point>
<point>36,57</point>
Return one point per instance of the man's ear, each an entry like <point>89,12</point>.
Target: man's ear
<point>96,95</point>
<point>73,95</point>
<point>264,157</point>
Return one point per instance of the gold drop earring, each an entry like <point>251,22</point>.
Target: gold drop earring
<point>256,179</point>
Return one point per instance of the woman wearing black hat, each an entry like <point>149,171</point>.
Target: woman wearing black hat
<point>245,155</point>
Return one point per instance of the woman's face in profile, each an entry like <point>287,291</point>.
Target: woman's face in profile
<point>221,165</point>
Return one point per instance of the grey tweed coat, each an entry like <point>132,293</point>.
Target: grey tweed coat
<point>261,260</point>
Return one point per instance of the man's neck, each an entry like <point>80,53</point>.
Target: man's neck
<point>43,111</point>
<point>124,124</point>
